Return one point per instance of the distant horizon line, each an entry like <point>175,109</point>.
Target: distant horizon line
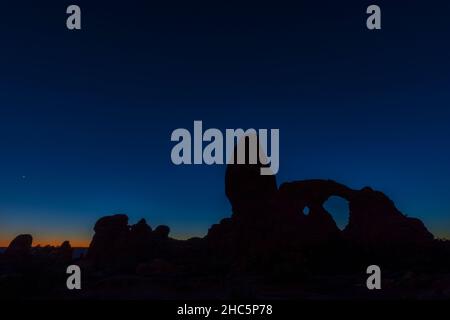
<point>3,246</point>
<point>58,243</point>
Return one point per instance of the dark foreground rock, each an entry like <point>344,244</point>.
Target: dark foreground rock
<point>272,227</point>
<point>278,243</point>
<point>117,246</point>
<point>20,247</point>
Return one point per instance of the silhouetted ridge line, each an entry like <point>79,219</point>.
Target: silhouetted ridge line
<point>267,236</point>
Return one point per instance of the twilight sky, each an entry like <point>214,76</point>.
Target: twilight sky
<point>86,116</point>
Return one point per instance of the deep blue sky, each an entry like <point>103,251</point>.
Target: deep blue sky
<point>86,116</point>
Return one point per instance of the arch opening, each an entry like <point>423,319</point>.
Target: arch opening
<point>339,209</point>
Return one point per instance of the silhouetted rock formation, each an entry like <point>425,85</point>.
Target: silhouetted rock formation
<point>273,233</point>
<point>20,247</point>
<point>110,241</point>
<point>140,246</point>
<point>60,255</point>
<point>296,198</point>
<point>249,192</point>
<point>141,230</point>
<point>251,234</point>
<point>27,271</point>
<point>268,223</point>
<point>116,245</point>
<point>64,253</point>
<point>161,232</point>
<point>374,220</point>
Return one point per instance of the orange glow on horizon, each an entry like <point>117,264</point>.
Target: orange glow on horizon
<point>78,243</point>
<point>84,243</point>
<point>76,240</point>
